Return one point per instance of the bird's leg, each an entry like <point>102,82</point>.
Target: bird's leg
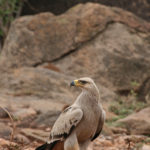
<point>84,145</point>
<point>71,143</point>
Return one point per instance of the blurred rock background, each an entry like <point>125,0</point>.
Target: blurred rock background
<point>46,44</point>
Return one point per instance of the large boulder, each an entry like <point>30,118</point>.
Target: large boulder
<point>116,58</point>
<point>109,44</point>
<point>37,39</point>
<point>114,50</point>
<point>138,123</point>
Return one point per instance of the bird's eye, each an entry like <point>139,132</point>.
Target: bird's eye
<point>83,81</point>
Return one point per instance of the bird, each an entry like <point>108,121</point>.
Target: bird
<point>79,124</point>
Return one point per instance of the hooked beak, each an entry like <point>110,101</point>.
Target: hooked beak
<point>72,83</point>
<point>76,83</point>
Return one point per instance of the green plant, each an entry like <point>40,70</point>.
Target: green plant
<point>123,108</point>
<point>112,121</point>
<point>126,107</point>
<point>147,141</point>
<point>133,93</point>
<point>9,10</point>
<point>135,84</point>
<point>13,147</point>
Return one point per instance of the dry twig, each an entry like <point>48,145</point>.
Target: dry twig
<point>12,121</point>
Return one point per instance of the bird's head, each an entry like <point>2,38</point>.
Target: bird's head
<point>85,83</point>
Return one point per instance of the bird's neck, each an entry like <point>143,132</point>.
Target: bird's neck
<point>88,96</point>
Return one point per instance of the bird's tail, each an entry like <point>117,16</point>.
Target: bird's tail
<point>57,145</point>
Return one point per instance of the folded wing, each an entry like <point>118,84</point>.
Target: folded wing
<point>66,122</point>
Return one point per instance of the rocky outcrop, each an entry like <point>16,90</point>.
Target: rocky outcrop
<point>43,53</point>
<point>33,40</point>
<point>138,123</point>
<point>108,44</point>
<point>116,56</point>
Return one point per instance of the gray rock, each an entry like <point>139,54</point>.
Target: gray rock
<point>46,119</point>
<point>114,60</point>
<point>37,134</point>
<point>36,39</point>
<point>5,131</point>
<point>138,123</point>
<point>3,114</point>
<point>19,138</point>
<point>39,82</point>
<point>24,113</point>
